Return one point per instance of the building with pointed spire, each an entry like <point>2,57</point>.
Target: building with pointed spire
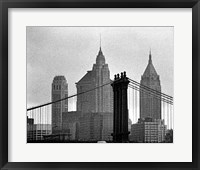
<point>150,128</point>
<point>98,100</point>
<point>96,106</point>
<point>150,105</point>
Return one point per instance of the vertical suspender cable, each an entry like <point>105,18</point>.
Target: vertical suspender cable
<point>40,121</point>
<point>134,112</point>
<point>164,116</point>
<point>136,105</point>
<point>171,116</point>
<point>167,116</point>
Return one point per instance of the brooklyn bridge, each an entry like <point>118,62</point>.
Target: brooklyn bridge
<point>121,110</point>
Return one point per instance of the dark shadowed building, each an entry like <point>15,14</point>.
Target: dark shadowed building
<point>30,121</point>
<point>150,105</point>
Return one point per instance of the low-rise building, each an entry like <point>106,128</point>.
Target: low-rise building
<point>36,132</point>
<point>148,130</point>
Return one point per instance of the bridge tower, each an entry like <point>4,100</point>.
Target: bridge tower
<point>120,121</point>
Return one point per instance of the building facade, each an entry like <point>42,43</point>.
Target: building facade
<point>99,100</point>
<point>91,126</point>
<point>93,120</point>
<point>36,132</point>
<point>96,105</point>
<point>107,128</point>
<point>88,127</point>
<point>150,105</point>
<point>71,124</point>
<point>59,91</point>
<point>148,130</point>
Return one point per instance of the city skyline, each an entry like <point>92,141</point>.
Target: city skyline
<point>131,108</point>
<point>40,65</point>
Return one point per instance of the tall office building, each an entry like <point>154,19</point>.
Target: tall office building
<point>150,105</point>
<point>99,100</point>
<point>59,91</point>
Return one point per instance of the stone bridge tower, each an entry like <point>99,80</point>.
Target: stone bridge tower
<point>120,123</point>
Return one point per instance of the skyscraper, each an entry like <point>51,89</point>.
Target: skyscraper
<point>99,100</point>
<point>150,105</point>
<point>59,91</point>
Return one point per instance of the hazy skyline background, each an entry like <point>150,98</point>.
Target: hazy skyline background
<point>72,51</point>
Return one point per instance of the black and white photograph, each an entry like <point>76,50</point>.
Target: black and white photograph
<point>89,84</point>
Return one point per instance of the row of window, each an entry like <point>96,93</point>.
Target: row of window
<point>58,87</point>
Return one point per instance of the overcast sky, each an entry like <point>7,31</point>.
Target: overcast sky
<point>72,51</point>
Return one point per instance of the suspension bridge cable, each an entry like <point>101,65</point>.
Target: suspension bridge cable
<point>172,123</point>
<point>163,99</point>
<point>149,93</point>
<point>153,93</point>
<point>136,106</point>
<point>32,108</point>
<point>168,125</point>
<point>133,105</point>
<point>132,81</point>
<point>150,89</point>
